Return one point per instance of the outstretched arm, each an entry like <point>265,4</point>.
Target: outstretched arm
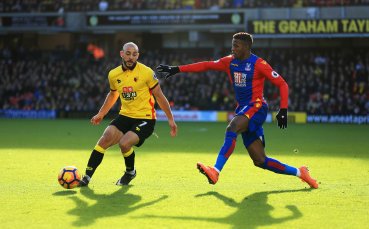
<point>218,65</point>
<point>110,100</point>
<point>164,105</point>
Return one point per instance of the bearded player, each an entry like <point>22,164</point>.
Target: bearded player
<point>136,85</point>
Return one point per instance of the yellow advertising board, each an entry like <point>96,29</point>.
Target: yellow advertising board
<point>322,26</point>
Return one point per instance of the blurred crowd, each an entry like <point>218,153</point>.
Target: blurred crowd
<point>115,5</point>
<point>325,81</point>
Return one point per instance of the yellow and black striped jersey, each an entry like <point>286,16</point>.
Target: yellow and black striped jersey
<point>135,90</point>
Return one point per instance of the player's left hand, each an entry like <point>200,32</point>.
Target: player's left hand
<point>282,118</point>
<point>173,128</point>
<point>170,70</point>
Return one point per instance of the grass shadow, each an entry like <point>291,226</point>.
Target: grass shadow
<point>252,212</point>
<point>65,193</point>
<point>118,203</point>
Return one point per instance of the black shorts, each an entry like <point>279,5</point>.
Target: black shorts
<point>142,127</point>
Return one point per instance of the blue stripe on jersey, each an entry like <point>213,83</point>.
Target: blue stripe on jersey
<point>242,73</point>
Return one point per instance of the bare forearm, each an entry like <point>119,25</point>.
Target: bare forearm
<point>109,102</point>
<point>164,105</point>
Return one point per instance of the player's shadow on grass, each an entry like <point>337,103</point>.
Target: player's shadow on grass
<point>115,204</point>
<point>252,212</point>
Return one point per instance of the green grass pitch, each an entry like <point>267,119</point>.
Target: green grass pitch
<point>168,191</point>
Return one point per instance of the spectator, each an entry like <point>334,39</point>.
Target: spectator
<point>119,5</point>
<point>103,5</point>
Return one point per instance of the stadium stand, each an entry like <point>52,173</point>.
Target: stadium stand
<point>70,74</point>
<point>319,82</point>
<point>116,5</point>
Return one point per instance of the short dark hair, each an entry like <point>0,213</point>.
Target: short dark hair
<point>243,36</point>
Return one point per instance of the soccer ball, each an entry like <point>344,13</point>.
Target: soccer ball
<point>69,177</point>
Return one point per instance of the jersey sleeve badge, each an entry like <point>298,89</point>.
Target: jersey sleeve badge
<point>275,74</point>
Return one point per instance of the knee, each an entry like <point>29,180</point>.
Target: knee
<point>231,127</point>
<point>238,124</point>
<point>124,147</point>
<point>106,140</point>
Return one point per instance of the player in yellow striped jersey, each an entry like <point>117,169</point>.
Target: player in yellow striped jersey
<point>136,85</point>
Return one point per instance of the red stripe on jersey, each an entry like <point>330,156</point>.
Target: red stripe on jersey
<point>264,70</point>
<point>255,108</point>
<point>152,104</point>
<point>230,77</point>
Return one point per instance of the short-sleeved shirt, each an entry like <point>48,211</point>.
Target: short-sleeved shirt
<point>135,90</point>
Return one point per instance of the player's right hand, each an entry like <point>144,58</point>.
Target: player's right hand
<point>170,70</point>
<point>96,119</point>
